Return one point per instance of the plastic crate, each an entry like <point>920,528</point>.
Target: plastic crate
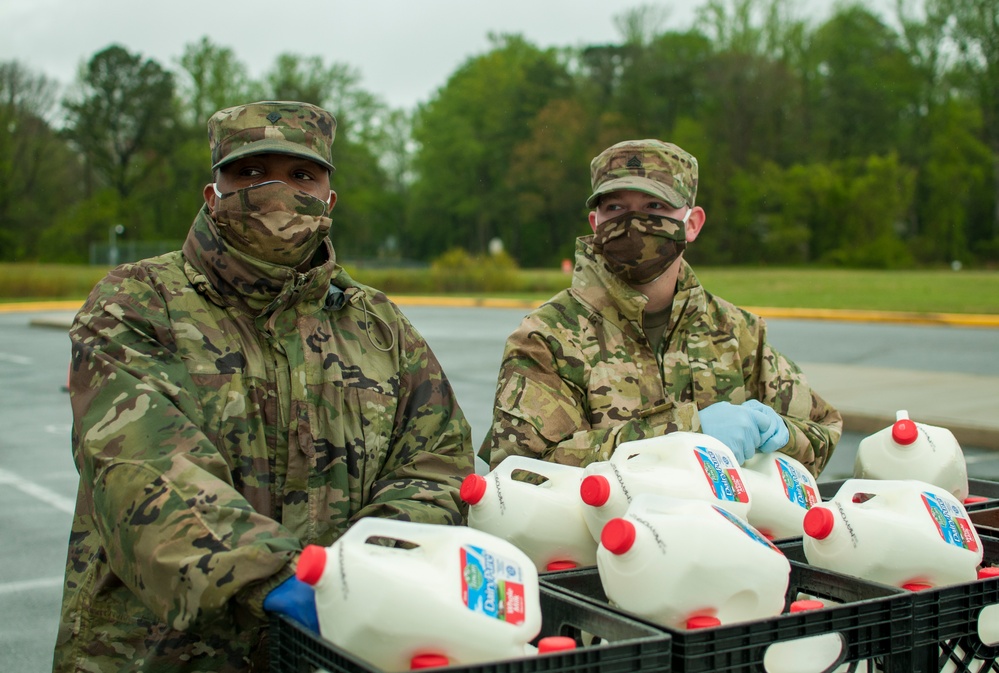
<point>873,620</point>
<point>985,492</point>
<point>945,620</point>
<point>986,521</point>
<point>614,644</point>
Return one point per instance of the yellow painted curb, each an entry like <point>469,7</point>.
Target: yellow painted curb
<point>845,315</point>
<point>902,317</point>
<point>28,306</point>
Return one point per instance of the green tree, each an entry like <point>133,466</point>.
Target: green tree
<point>975,30</point>
<point>35,164</point>
<point>661,81</point>
<point>954,178</point>
<point>548,179</point>
<point>868,91</point>
<point>212,78</point>
<point>122,118</point>
<point>369,213</point>
<point>462,196</point>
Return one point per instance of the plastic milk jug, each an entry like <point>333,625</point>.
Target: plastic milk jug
<point>442,592</point>
<point>679,464</point>
<point>810,654</point>
<point>688,563</point>
<point>910,450</point>
<point>535,505</point>
<point>905,533</point>
<point>782,490</point>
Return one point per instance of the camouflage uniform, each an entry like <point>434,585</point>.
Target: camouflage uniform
<point>227,412</point>
<point>580,377</point>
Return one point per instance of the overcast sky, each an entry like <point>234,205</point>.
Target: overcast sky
<point>404,49</point>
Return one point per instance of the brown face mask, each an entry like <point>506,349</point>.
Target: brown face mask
<point>273,222</point>
<point>638,247</point>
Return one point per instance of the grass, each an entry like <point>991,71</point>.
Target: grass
<point>930,291</point>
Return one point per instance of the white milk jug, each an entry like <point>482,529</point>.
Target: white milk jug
<point>910,450</point>
<point>809,654</point>
<point>679,464</point>
<point>448,592</point>
<point>535,505</point>
<point>782,490</point>
<point>688,563</point>
<point>905,533</point>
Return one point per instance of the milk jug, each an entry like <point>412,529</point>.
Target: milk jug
<point>535,505</point>
<point>809,654</point>
<point>782,490</point>
<point>905,533</point>
<point>910,450</point>
<point>441,592</point>
<point>685,563</point>
<point>679,464</point>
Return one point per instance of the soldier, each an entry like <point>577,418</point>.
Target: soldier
<point>637,348</point>
<point>234,401</point>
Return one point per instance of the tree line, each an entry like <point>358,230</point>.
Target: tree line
<point>861,140</point>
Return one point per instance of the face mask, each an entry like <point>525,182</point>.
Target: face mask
<point>272,222</point>
<point>639,247</point>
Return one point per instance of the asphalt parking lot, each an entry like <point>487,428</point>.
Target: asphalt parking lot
<point>38,479</point>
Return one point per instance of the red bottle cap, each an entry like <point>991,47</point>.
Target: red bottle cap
<point>311,564</point>
<point>805,605</point>
<point>973,499</point>
<point>904,432</point>
<point>917,586</point>
<point>556,644</point>
<point>988,573</point>
<point>818,523</point>
<point>618,535</point>
<point>703,622</point>
<point>595,490</point>
<point>561,565</point>
<point>473,488</point>
<point>428,661</point>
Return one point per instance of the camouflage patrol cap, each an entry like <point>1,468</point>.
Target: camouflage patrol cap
<point>659,169</point>
<point>272,127</point>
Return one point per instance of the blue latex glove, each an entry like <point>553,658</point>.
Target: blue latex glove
<point>776,435</point>
<point>296,599</point>
<point>737,426</point>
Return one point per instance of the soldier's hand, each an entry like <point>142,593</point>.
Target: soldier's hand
<point>776,435</point>
<point>738,427</point>
<point>296,599</point>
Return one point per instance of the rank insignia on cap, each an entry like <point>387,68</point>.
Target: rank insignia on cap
<point>634,162</point>
<point>273,117</point>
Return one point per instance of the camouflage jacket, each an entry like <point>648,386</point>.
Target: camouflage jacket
<point>579,376</point>
<point>226,413</point>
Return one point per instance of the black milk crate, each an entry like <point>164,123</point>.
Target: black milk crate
<point>982,493</point>
<point>986,521</point>
<point>945,620</point>
<point>874,622</point>
<point>606,642</point>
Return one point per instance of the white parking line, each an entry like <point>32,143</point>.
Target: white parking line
<point>30,585</point>
<point>38,492</point>
<point>16,359</point>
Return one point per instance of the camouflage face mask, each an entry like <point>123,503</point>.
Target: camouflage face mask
<point>272,222</point>
<point>639,247</point>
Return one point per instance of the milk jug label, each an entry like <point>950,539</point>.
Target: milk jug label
<point>953,528</point>
<point>748,530</point>
<point>722,475</point>
<point>797,486</point>
<point>492,585</point>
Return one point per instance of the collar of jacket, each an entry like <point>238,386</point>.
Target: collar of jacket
<point>607,295</point>
<point>229,277</point>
